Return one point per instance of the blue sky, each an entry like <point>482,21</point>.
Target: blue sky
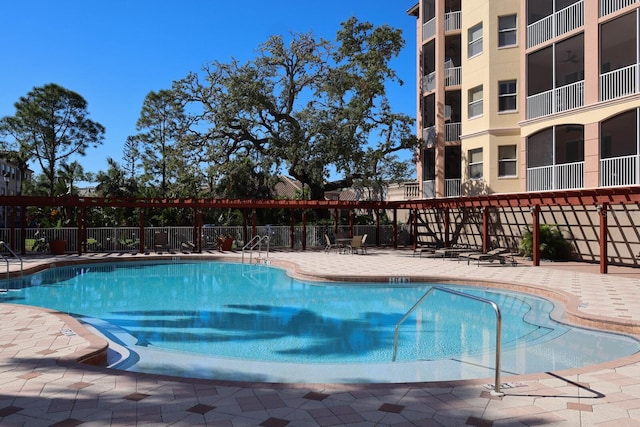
<point>114,52</point>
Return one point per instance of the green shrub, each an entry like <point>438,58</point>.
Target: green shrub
<point>552,243</point>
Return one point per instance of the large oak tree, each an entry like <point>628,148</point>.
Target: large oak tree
<point>306,106</point>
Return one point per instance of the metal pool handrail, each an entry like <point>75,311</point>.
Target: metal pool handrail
<point>2,243</point>
<point>255,241</point>
<point>496,387</point>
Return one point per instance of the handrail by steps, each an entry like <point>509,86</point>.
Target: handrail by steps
<point>496,388</point>
<point>255,241</point>
<point>3,244</point>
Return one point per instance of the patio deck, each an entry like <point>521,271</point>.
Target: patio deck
<point>40,384</point>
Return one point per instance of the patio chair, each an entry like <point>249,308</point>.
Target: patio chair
<point>330,246</point>
<point>161,241</point>
<point>358,244</point>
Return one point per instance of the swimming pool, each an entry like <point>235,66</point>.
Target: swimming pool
<point>255,323</point>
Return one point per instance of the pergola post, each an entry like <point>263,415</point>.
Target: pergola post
<point>254,223</point>
<point>535,212</point>
<point>604,258</point>
<point>141,216</point>
<point>292,230</point>
<point>485,228</point>
<point>394,228</point>
<point>245,231</point>
<point>447,221</point>
<point>304,230</point>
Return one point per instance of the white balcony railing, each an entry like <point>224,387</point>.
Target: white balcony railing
<point>411,190</point>
<point>562,21</point>
<point>429,29</point>
<point>453,76</point>
<point>452,187</point>
<point>453,21</point>
<point>429,189</point>
<point>617,171</point>
<point>452,131</point>
<point>619,83</point>
<point>556,100</point>
<point>429,82</point>
<point>609,6</point>
<point>429,135</point>
<point>556,177</point>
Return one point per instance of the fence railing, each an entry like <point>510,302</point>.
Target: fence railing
<point>617,171</point>
<point>556,24</point>
<point>618,83</point>
<point>127,239</point>
<point>608,7</point>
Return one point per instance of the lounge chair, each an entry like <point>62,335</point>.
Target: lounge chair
<point>490,256</point>
<point>161,241</point>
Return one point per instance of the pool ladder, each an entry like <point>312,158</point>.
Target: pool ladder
<point>496,388</point>
<point>6,260</point>
<point>256,241</point>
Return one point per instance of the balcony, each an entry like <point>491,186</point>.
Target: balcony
<point>608,7</point>
<point>619,83</point>
<point>411,190</point>
<point>556,177</point>
<point>619,171</point>
<point>556,100</point>
<point>555,25</point>
<point>429,189</point>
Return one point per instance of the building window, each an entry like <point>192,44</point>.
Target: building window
<point>475,102</point>
<point>475,40</point>
<point>475,163</point>
<point>507,161</point>
<point>507,31</point>
<point>507,96</point>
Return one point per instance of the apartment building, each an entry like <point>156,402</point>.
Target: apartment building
<point>527,95</point>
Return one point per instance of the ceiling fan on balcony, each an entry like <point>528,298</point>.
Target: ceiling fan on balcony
<point>571,58</point>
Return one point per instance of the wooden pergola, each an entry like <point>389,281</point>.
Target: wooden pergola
<point>601,198</point>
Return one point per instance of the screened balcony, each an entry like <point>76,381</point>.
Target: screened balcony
<point>453,21</point>
<point>555,24</point>
<point>619,57</point>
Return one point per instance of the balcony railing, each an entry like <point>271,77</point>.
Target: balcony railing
<point>609,6</point>
<point>562,21</point>
<point>429,29</point>
<point>619,83</point>
<point>452,187</point>
<point>618,171</point>
<point>429,135</point>
<point>429,189</point>
<point>453,21</point>
<point>556,100</point>
<point>411,191</point>
<point>452,131</point>
<point>453,76</point>
<point>429,82</point>
<point>556,177</point>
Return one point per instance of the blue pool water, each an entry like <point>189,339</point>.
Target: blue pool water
<point>236,321</point>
